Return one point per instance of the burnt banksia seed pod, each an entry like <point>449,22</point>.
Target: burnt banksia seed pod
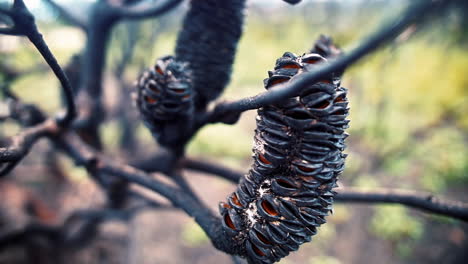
<point>165,100</point>
<point>298,155</point>
<point>208,42</point>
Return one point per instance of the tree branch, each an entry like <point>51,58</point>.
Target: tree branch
<point>229,112</point>
<point>417,200</point>
<point>23,142</point>
<point>210,168</point>
<point>9,32</point>
<point>421,201</point>
<point>6,12</point>
<point>85,156</point>
<point>67,15</point>
<point>24,24</point>
<point>145,11</point>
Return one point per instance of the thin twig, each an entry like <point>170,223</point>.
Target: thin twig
<point>150,202</point>
<point>421,201</point>
<point>211,168</point>
<point>8,31</point>
<point>24,25</point>
<point>184,185</point>
<point>23,142</point>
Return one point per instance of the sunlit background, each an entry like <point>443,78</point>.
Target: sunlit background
<point>409,127</point>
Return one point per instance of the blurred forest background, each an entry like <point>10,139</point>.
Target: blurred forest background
<point>409,129</point>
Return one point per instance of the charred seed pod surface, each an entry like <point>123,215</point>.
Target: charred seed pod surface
<point>208,42</point>
<point>298,155</point>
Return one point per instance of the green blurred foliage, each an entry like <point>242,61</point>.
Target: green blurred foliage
<point>324,260</point>
<point>340,214</point>
<point>74,172</point>
<point>230,144</point>
<point>393,223</point>
<point>193,235</point>
<point>111,133</point>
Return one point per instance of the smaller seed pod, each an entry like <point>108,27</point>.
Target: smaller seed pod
<point>165,100</point>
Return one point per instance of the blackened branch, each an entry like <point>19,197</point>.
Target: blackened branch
<point>417,200</point>
<point>145,11</point>
<point>180,180</point>
<point>67,15</point>
<point>149,201</point>
<point>163,161</point>
<point>24,25</point>
<point>21,144</point>
<point>227,112</point>
<point>36,39</point>
<point>210,168</point>
<point>85,156</point>
<point>8,31</point>
<point>421,201</point>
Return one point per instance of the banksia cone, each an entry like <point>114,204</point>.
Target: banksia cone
<point>208,42</point>
<point>165,100</point>
<point>298,155</point>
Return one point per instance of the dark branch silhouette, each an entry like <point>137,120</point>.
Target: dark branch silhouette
<point>24,25</point>
<point>421,201</point>
<point>22,143</point>
<point>210,168</point>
